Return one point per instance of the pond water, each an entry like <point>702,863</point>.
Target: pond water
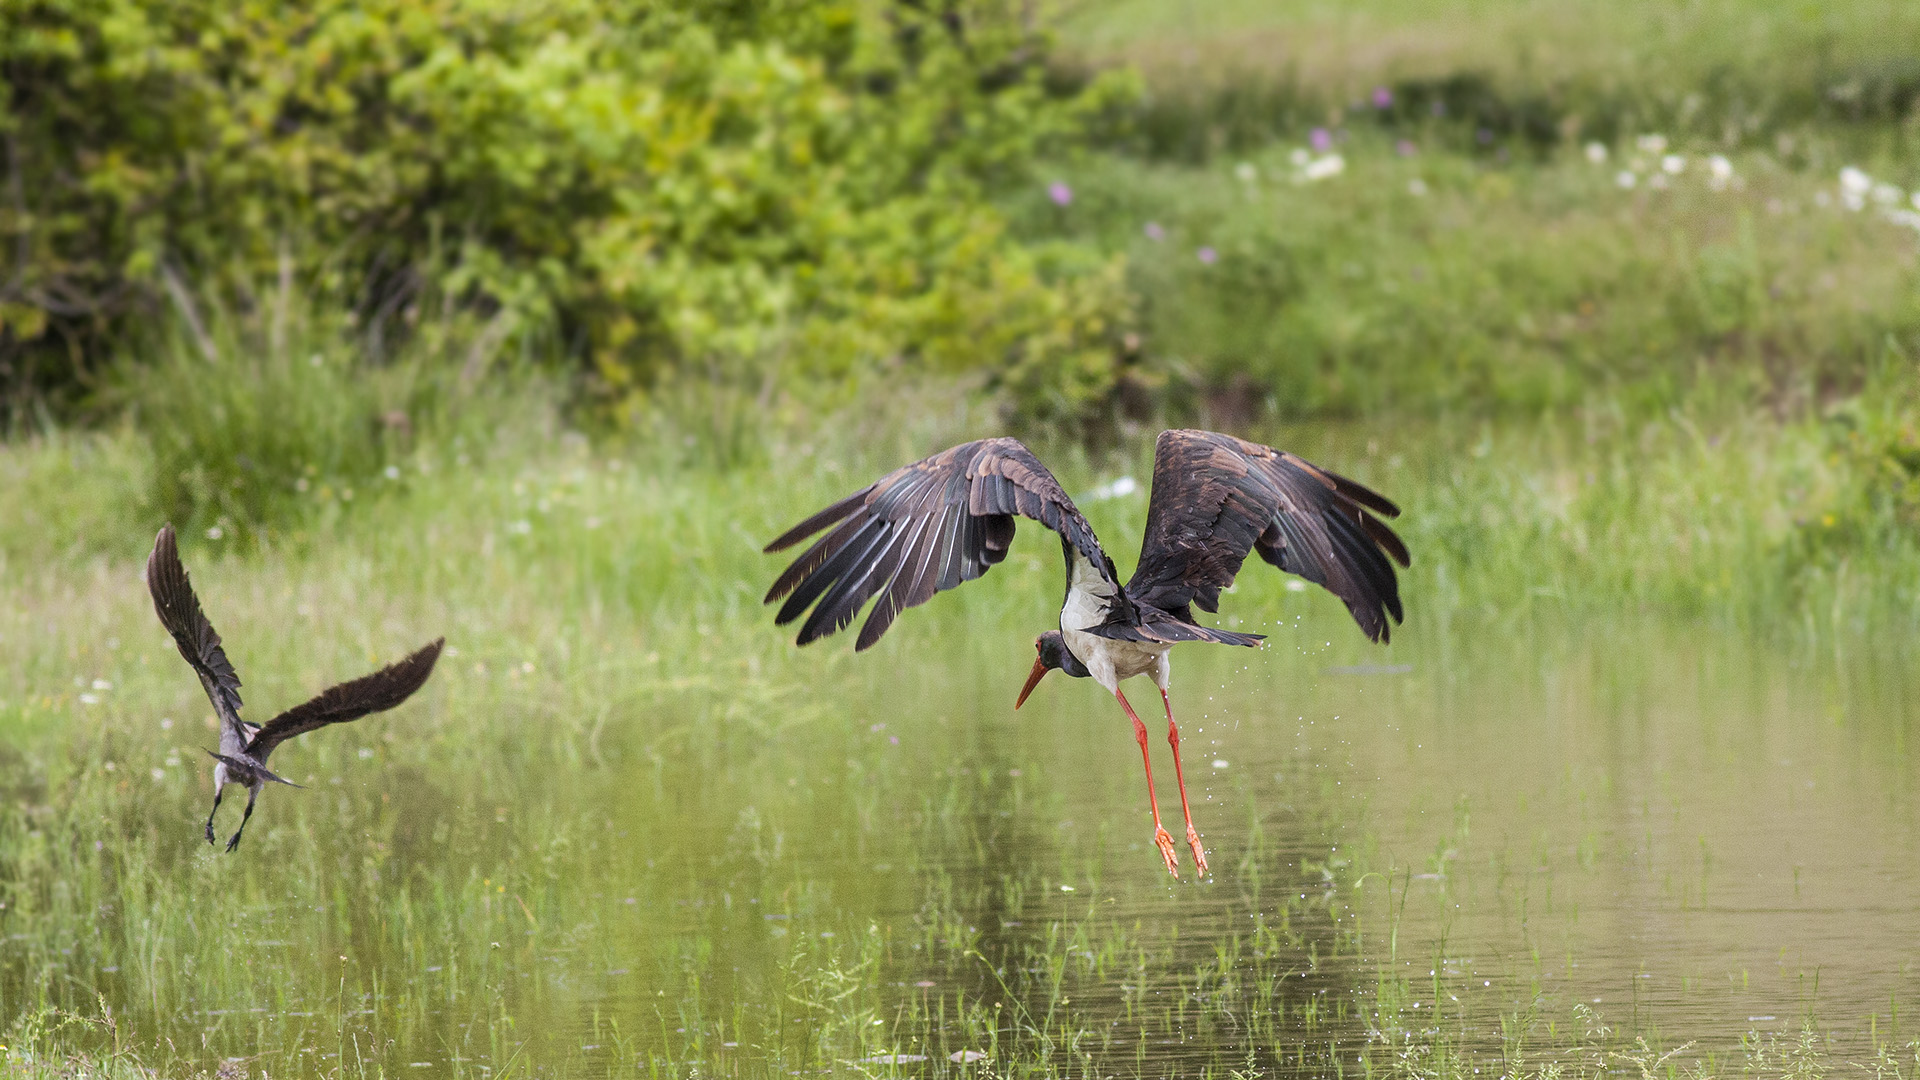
<point>1478,848</point>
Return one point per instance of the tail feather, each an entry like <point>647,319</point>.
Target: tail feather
<point>244,766</point>
<point>1166,633</point>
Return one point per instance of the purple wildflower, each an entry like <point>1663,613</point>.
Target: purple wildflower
<point>1060,193</point>
<point>1382,98</point>
<point>1484,136</point>
<point>1439,108</point>
<point>1322,140</point>
<point>1209,256</point>
<point>1154,232</point>
<point>1405,148</point>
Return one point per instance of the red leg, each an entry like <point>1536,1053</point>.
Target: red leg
<point>1173,740</point>
<point>1160,834</point>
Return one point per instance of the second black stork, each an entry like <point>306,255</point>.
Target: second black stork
<point>936,523</point>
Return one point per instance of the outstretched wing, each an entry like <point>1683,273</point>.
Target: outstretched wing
<point>373,693</point>
<point>922,529</point>
<point>1216,497</point>
<point>180,613</point>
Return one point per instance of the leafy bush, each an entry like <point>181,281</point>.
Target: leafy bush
<point>784,189</point>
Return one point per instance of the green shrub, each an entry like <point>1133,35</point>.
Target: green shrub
<point>794,188</point>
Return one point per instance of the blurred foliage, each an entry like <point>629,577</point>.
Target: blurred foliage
<point>747,191</point>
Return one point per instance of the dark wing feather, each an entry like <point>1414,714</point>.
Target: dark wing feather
<point>373,693</point>
<point>920,530</point>
<point>1215,498</point>
<point>179,611</point>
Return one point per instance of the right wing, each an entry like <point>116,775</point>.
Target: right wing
<point>923,529</point>
<point>180,613</point>
<point>1217,498</point>
<point>373,693</point>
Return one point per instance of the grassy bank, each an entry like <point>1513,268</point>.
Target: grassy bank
<point>1360,277</point>
<point>1526,73</point>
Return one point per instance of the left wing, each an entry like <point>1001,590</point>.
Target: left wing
<point>925,528</point>
<point>193,635</point>
<point>373,693</point>
<point>1215,498</point>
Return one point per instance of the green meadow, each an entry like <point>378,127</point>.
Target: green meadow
<point>1617,302</point>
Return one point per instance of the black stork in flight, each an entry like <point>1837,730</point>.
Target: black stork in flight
<point>938,522</point>
<point>244,746</point>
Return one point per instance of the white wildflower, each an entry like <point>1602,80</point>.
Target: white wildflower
<point>1908,218</point>
<point>1300,156</point>
<point>1854,186</point>
<point>1246,172</point>
<point>1321,168</point>
<point>1719,172</point>
<point>1626,179</point>
<point>1673,164</point>
<point>1417,187</point>
<point>1652,144</point>
<point>1888,195</point>
<point>1597,153</point>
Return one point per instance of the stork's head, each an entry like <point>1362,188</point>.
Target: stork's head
<point>1053,655</point>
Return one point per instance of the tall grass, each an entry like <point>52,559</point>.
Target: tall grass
<point>263,412</point>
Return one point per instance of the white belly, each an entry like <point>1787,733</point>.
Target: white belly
<point>1089,596</point>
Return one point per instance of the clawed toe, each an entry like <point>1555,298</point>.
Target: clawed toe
<point>1199,853</point>
<point>1165,840</point>
<point>233,843</point>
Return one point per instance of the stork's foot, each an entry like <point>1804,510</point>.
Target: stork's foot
<point>1199,853</point>
<point>1165,840</point>
<point>233,843</point>
<point>210,838</point>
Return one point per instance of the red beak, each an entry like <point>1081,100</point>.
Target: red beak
<point>1033,680</point>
